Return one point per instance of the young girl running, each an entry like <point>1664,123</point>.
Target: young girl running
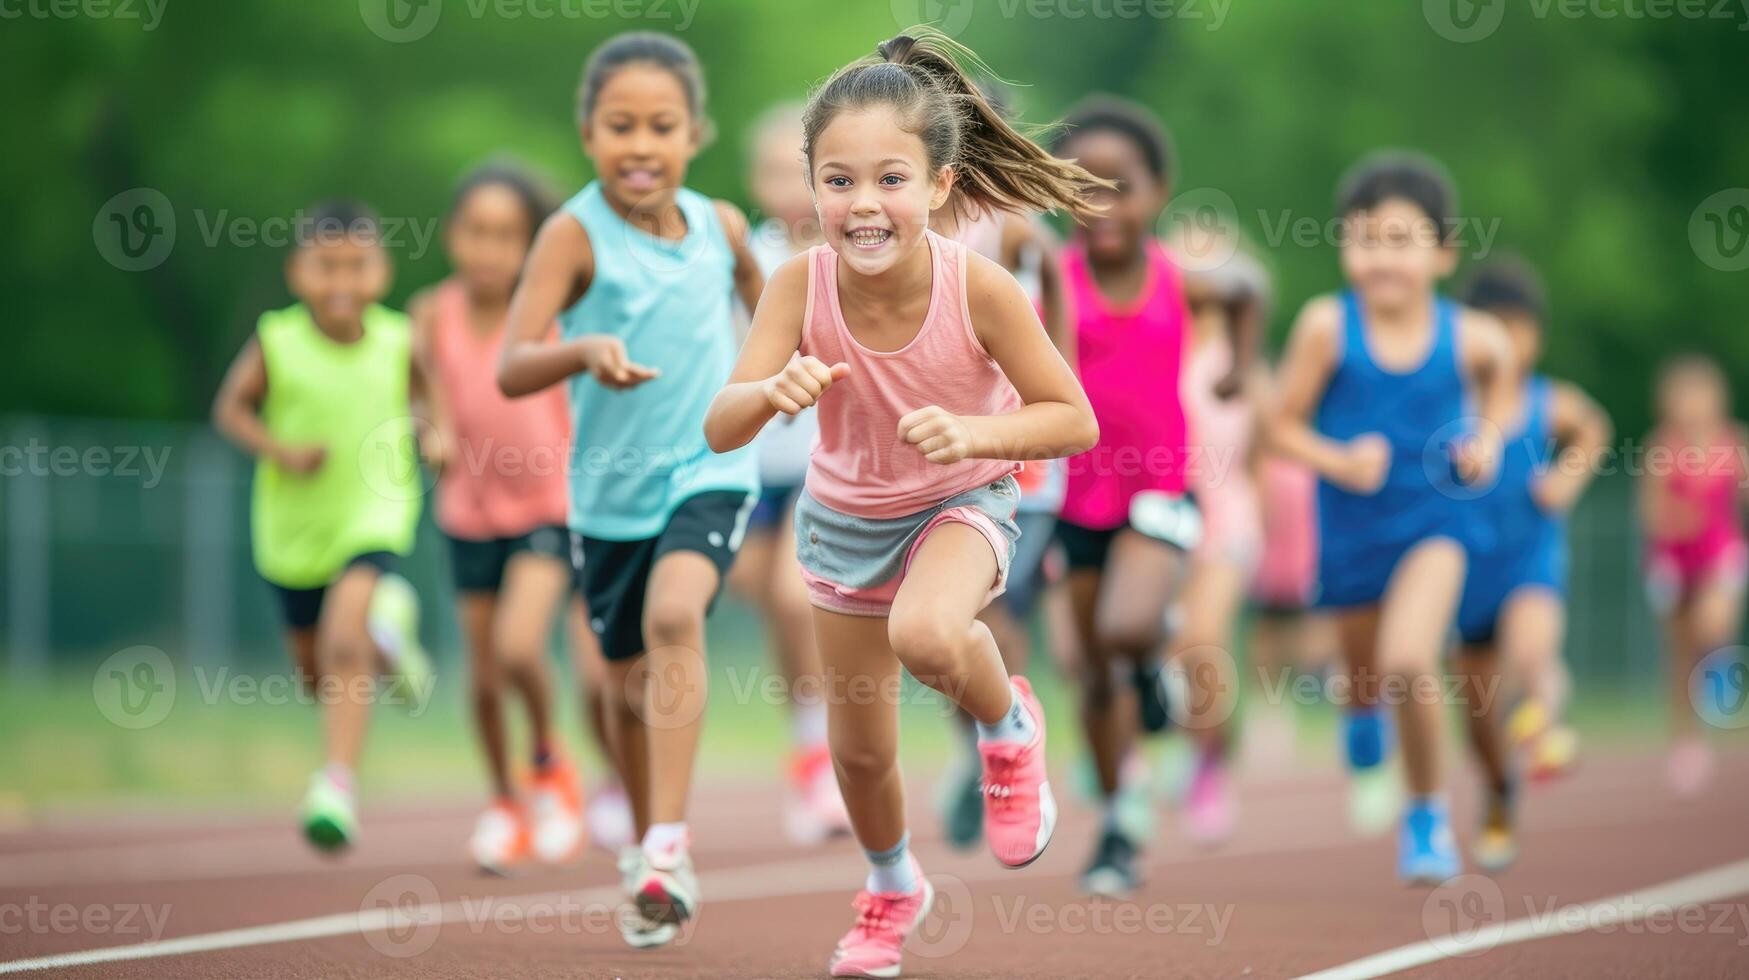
<point>1226,302</point>
<point>323,396</point>
<point>502,506</point>
<point>1697,563</point>
<point>931,373</point>
<point>1372,396</point>
<point>640,271</point>
<point>765,572</point>
<point>1127,523</point>
<point>1512,616</point>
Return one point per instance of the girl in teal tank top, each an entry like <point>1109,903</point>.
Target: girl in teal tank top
<point>324,396</point>
<point>639,271</point>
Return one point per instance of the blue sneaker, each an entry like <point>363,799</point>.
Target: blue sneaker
<point>1366,737</point>
<point>1427,852</point>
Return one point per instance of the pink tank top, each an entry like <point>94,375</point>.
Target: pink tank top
<point>1220,457</point>
<point>861,467</point>
<point>1288,571</point>
<point>506,473</point>
<point>1130,361</point>
<point>1704,480</point>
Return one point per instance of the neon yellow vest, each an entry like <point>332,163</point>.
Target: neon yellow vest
<point>351,399</point>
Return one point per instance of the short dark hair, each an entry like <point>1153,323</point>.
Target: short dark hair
<point>1132,121</point>
<point>530,192</point>
<point>337,219</point>
<point>1413,177</point>
<point>1506,283</point>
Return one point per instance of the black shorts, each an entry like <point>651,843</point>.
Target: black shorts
<point>303,607</point>
<point>478,566</point>
<point>1171,520</point>
<point>615,574</point>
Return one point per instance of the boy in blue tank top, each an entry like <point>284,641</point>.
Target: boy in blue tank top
<point>639,271</point>
<point>1372,396</point>
<point>1512,618</point>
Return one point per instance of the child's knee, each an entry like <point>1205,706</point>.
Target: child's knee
<point>930,646</point>
<point>1126,633</point>
<point>346,651</point>
<point>673,622</point>
<point>863,761</point>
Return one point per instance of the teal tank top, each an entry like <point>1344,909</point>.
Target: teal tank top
<point>637,455</point>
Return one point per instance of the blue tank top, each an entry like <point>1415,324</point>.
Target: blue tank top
<point>1514,520</point>
<point>1420,412</point>
<point>637,455</point>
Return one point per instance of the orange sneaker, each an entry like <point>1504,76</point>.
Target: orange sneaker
<point>813,808</point>
<point>501,838</point>
<point>556,812</point>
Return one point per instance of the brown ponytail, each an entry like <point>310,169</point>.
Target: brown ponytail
<point>923,75</point>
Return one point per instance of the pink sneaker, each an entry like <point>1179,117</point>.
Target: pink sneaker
<point>1019,811</point>
<point>874,946</point>
<point>1210,812</point>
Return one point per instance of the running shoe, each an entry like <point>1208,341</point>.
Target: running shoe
<point>1019,811</point>
<point>1497,845</point>
<point>667,891</point>
<point>637,931</point>
<point>1551,749</point>
<point>328,814</point>
<point>1375,800</point>
<point>962,806</point>
<point>393,622</point>
<point>556,812</point>
<point>1112,873</point>
<point>813,808</point>
<point>608,817</point>
<point>501,840</point>
<point>874,945</point>
<point>1210,810</point>
<point>1427,851</point>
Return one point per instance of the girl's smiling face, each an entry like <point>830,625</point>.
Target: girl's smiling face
<point>641,134</point>
<point>873,188</point>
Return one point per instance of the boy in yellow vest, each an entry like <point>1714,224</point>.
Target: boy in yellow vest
<point>323,396</point>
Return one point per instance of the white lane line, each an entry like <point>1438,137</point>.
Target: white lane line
<point>1725,881</point>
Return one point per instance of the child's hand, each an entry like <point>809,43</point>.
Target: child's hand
<point>301,460</point>
<point>605,359</point>
<point>434,447</point>
<point>1369,459</point>
<point>940,435</point>
<point>1477,456</point>
<point>801,383</point>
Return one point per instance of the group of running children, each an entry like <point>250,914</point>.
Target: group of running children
<point>949,417</point>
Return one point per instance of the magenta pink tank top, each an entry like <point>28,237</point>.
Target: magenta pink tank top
<point>1130,361</point>
<point>1705,479</point>
<point>506,473</point>
<point>861,467</point>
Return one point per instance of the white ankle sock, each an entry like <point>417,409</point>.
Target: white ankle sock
<point>891,871</point>
<point>663,837</point>
<point>1016,726</point>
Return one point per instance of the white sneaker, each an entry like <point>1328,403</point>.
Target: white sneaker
<point>556,813</point>
<point>637,931</point>
<point>667,889</point>
<point>609,816</point>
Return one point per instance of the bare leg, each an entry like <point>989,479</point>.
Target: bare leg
<point>1480,665</point>
<point>302,644</point>
<point>592,676</point>
<point>484,683</point>
<point>349,662</point>
<point>863,724</point>
<point>675,677</point>
<point>1107,707</point>
<point>933,629</point>
<point>1203,649</point>
<point>534,588</point>
<point>1414,618</point>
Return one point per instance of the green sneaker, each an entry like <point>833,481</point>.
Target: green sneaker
<point>394,625</point>
<point>1375,800</point>
<point>962,806</point>
<point>330,822</point>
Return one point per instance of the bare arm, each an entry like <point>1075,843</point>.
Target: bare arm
<point>1055,418</point>
<point>560,266</point>
<point>1486,353</point>
<point>425,394</point>
<point>237,414</point>
<point>1583,431</point>
<point>1306,368</point>
<point>749,280</point>
<point>769,376</point>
